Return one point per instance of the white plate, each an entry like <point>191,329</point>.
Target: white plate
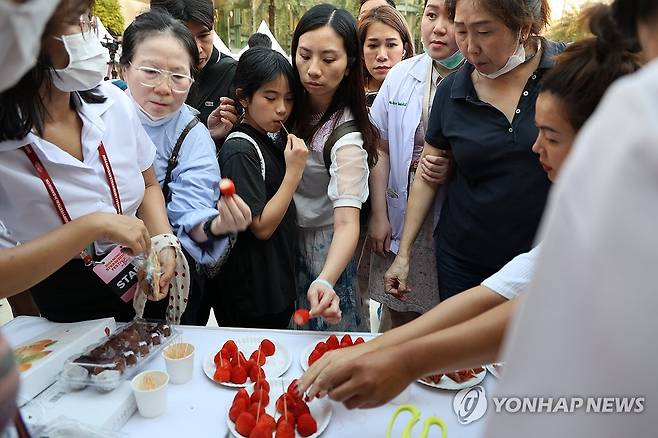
<point>306,352</point>
<point>275,365</point>
<point>496,372</point>
<point>451,385</point>
<point>320,407</point>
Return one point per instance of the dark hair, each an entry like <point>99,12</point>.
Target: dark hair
<point>350,90</point>
<point>628,12</point>
<point>188,10</point>
<point>390,2</point>
<point>157,22</point>
<point>258,66</point>
<point>21,106</point>
<point>585,69</point>
<point>259,40</point>
<point>390,17</point>
<point>514,13</point>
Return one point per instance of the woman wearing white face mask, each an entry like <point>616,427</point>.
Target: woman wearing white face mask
<point>484,116</point>
<point>70,150</point>
<point>401,113</point>
<point>159,58</point>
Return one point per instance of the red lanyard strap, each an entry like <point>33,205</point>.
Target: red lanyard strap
<point>57,200</point>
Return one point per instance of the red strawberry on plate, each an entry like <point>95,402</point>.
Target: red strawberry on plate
<point>238,407</point>
<point>284,429</point>
<point>222,374</point>
<point>259,357</point>
<point>238,375</point>
<point>306,425</point>
<point>261,430</point>
<point>260,395</point>
<point>242,393</point>
<point>245,423</point>
<point>262,384</point>
<point>332,342</point>
<point>230,346</point>
<point>321,347</point>
<point>346,341</point>
<point>226,187</point>
<point>267,347</point>
<point>359,340</point>
<point>314,357</point>
<point>257,373</point>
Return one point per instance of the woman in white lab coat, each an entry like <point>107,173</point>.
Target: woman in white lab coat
<point>400,112</point>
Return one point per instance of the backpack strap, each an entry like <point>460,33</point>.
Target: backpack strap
<point>173,158</point>
<point>340,131</point>
<point>242,135</point>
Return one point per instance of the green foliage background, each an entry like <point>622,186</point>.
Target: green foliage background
<point>109,12</point>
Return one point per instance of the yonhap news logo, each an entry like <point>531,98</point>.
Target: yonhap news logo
<point>470,404</point>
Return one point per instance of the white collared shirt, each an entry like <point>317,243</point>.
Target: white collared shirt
<point>27,210</point>
<point>513,279</point>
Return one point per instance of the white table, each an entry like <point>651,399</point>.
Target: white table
<point>199,408</point>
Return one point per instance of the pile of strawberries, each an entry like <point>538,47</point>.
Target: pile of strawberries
<point>457,376</point>
<point>332,343</point>
<point>251,420</point>
<point>232,366</point>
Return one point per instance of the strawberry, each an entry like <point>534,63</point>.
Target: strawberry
<point>260,395</point>
<point>359,340</point>
<point>226,187</point>
<point>301,316</point>
<point>306,425</point>
<point>300,408</point>
<point>262,384</point>
<point>267,347</point>
<point>256,373</point>
<point>258,357</point>
<point>245,423</point>
<point>284,429</point>
<point>285,403</point>
<point>332,343</point>
<point>242,393</point>
<point>256,409</point>
<point>249,365</point>
<point>346,341</point>
<point>230,346</point>
<point>321,347</point>
<point>238,374</point>
<point>218,358</point>
<point>238,407</point>
<point>222,374</point>
<point>314,357</point>
<point>268,420</point>
<point>292,390</point>
<point>289,418</point>
<point>261,431</point>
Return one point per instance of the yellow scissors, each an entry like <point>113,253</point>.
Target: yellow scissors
<point>415,417</point>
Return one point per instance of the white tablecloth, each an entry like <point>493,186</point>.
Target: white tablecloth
<point>199,408</point>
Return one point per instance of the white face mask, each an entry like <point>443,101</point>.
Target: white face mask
<point>21,26</point>
<point>517,58</point>
<point>87,63</point>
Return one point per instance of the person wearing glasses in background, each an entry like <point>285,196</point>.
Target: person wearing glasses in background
<point>159,61</point>
<point>60,129</point>
<point>212,93</point>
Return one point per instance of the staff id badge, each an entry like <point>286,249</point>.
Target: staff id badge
<point>117,271</point>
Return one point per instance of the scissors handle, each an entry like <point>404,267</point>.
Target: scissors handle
<point>434,421</point>
<point>415,416</point>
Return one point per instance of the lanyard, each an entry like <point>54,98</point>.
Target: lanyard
<point>57,200</point>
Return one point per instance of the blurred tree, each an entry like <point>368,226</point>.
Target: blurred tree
<point>109,12</point>
<point>570,27</point>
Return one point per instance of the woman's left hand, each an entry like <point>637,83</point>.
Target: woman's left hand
<point>324,302</point>
<point>167,257</point>
<point>222,119</point>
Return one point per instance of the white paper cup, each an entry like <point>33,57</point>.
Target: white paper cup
<point>181,368</point>
<point>151,402</point>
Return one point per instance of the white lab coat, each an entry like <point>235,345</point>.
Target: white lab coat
<point>396,112</point>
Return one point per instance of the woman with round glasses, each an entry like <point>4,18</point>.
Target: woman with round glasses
<point>159,61</point>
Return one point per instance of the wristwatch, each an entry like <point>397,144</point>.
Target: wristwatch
<point>207,229</point>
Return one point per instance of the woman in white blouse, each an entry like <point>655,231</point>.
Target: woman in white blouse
<point>327,60</point>
<point>69,149</point>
